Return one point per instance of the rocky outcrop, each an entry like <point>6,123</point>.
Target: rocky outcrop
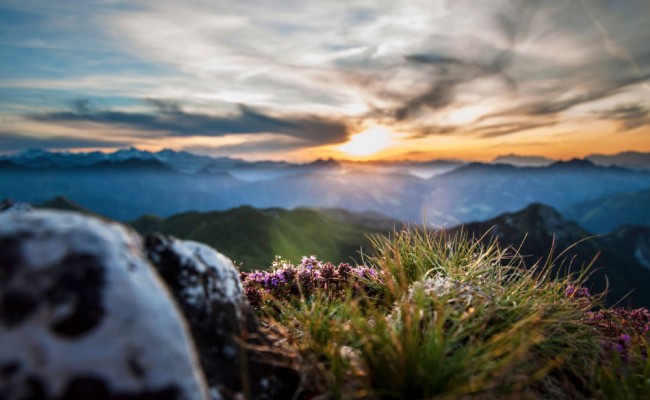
<point>83,315</point>
<point>236,355</point>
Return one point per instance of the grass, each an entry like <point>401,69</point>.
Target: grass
<point>430,316</point>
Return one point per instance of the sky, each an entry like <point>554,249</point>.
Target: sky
<point>300,80</point>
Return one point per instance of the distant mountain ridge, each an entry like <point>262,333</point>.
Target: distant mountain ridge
<point>627,159</point>
<point>129,183</point>
<point>623,261</point>
<point>180,161</point>
<point>524,161</point>
<point>605,214</point>
<point>184,161</point>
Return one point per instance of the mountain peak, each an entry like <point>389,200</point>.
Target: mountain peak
<point>325,162</point>
<point>131,152</point>
<point>523,161</point>
<point>33,153</point>
<point>544,212</point>
<point>628,159</point>
<point>538,219</point>
<point>573,163</point>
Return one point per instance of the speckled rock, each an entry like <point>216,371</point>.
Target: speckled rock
<point>8,205</point>
<point>83,315</point>
<point>207,287</point>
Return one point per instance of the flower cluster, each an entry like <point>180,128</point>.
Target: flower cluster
<point>577,292</point>
<point>623,329</point>
<point>622,344</point>
<point>286,281</point>
<point>617,321</point>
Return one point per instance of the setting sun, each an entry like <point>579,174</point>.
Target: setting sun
<point>368,142</point>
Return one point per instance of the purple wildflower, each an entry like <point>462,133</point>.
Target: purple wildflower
<point>577,292</point>
<point>344,270</point>
<point>311,274</point>
<point>254,296</point>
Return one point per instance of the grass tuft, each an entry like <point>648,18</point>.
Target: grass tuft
<point>433,316</point>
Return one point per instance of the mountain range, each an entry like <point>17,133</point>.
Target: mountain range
<point>189,163</point>
<point>129,183</point>
<point>628,159</point>
<point>607,213</point>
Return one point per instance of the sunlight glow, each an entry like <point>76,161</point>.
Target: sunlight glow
<point>370,141</point>
<point>464,115</point>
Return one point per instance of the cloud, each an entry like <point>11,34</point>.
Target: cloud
<point>629,115</point>
<point>546,59</point>
<point>169,118</point>
<point>447,73</point>
<point>308,71</point>
<point>265,146</point>
<point>557,102</point>
<point>497,130</point>
<point>419,132</point>
<point>15,142</point>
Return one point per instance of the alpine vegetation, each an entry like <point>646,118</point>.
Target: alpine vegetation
<point>433,316</point>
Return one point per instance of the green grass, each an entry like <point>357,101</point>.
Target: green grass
<point>453,318</point>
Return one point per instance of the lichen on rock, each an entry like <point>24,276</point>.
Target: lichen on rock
<point>84,315</point>
<point>229,339</point>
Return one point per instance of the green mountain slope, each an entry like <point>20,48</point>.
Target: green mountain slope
<point>608,213</point>
<point>253,237</point>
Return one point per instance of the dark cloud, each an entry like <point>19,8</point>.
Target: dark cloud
<point>630,115</point>
<point>275,145</point>
<point>16,142</point>
<point>448,72</point>
<point>496,130</point>
<point>555,102</point>
<point>505,145</point>
<point>82,106</point>
<point>439,95</point>
<point>165,106</point>
<point>428,130</point>
<point>432,59</point>
<point>541,86</point>
<point>171,119</point>
<point>514,20</point>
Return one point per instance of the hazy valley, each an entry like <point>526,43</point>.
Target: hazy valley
<point>130,183</point>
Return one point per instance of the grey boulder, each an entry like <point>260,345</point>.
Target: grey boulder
<point>84,315</point>
<point>238,357</point>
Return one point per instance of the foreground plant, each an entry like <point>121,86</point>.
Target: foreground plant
<point>435,316</point>
<point>308,279</point>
